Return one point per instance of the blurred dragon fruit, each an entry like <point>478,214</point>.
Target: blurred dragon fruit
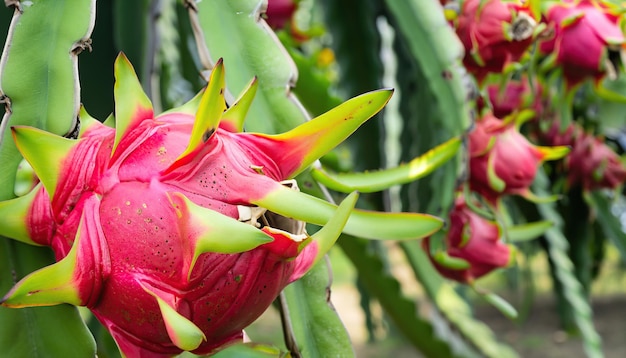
<point>591,163</point>
<point>502,160</point>
<point>175,230</point>
<point>280,12</point>
<point>517,95</point>
<point>495,33</point>
<point>473,239</point>
<point>584,31</point>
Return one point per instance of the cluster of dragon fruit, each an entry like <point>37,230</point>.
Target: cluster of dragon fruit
<point>530,60</point>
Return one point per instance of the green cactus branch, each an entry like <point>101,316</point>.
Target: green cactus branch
<point>54,77</point>
<point>218,24</point>
<point>454,309</point>
<point>420,332</point>
<point>571,289</point>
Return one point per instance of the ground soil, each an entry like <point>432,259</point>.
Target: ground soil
<point>539,337</point>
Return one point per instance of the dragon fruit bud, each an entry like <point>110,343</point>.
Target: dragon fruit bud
<point>495,33</point>
<point>177,230</point>
<point>473,239</point>
<point>584,31</point>
<point>502,160</point>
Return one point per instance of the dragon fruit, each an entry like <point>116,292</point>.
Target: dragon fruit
<point>495,34</point>
<point>584,33</point>
<point>474,239</point>
<point>591,163</point>
<point>176,231</point>
<point>502,160</point>
<point>280,12</point>
<point>517,95</point>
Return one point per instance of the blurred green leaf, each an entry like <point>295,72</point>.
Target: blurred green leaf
<point>501,304</point>
<point>563,270</point>
<point>613,90</point>
<point>528,231</point>
<point>134,25</point>
<point>469,333</point>
<point>37,332</point>
<point>96,66</point>
<point>356,45</point>
<point>434,105</point>
<point>313,88</point>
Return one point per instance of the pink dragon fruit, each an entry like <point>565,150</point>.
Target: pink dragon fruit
<point>591,163</point>
<point>583,33</point>
<point>474,239</point>
<point>594,165</point>
<point>280,12</point>
<point>502,160</point>
<point>176,231</point>
<point>516,96</point>
<point>495,33</point>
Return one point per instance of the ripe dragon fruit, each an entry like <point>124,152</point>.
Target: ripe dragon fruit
<point>591,163</point>
<point>474,239</point>
<point>495,34</point>
<point>584,33</point>
<point>516,96</point>
<point>502,160</point>
<point>174,230</point>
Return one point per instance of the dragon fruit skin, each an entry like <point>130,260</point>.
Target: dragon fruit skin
<point>158,225</point>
